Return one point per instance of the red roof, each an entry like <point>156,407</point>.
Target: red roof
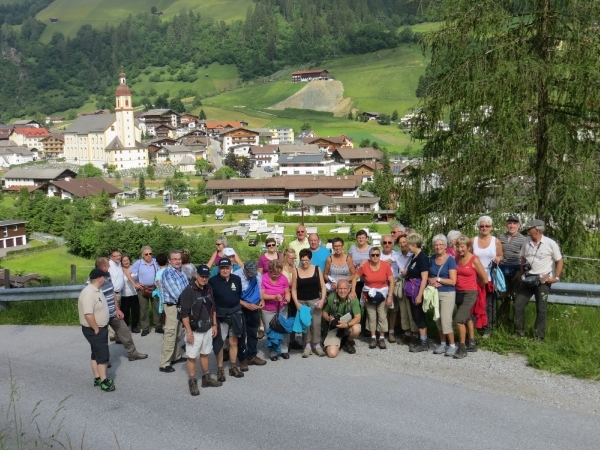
<point>32,131</point>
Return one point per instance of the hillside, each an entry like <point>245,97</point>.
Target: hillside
<point>318,95</point>
<point>73,14</point>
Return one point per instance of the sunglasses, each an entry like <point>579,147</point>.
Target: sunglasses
<point>387,242</point>
<point>147,254</point>
<point>485,226</point>
<point>375,255</point>
<point>300,232</point>
<point>271,245</point>
<point>219,243</point>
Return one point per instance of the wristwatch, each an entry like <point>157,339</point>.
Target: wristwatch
<point>557,278</point>
<point>439,280</point>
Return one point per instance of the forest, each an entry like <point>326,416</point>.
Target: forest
<point>46,78</point>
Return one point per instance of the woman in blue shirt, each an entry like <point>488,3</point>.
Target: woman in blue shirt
<point>442,276</point>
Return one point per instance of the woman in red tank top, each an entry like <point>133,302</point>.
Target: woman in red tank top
<point>470,273</point>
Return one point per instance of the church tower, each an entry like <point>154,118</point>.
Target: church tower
<point>124,114</point>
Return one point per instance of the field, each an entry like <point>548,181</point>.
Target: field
<point>72,15</point>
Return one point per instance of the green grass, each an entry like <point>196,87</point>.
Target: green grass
<point>53,263</point>
<point>43,312</point>
<point>72,15</point>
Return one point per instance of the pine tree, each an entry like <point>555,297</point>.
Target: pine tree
<point>384,182</point>
<point>202,115</point>
<point>150,172</point>
<point>142,188</point>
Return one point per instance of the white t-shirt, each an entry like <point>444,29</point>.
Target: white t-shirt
<point>392,260</point>
<point>542,262</point>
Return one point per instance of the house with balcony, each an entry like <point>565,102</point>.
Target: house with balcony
<point>237,136</point>
<point>325,205</point>
<point>351,157</point>
<point>54,145</point>
<point>264,154</point>
<point>153,118</point>
<point>31,176</point>
<point>330,144</point>
<point>309,75</point>
<point>29,136</point>
<point>306,164</point>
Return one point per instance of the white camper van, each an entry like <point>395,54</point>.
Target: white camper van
<point>219,213</point>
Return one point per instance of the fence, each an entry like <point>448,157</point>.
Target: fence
<point>561,293</point>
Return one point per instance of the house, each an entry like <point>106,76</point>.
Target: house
<point>70,188</point>
<point>307,134</point>
<point>283,135</point>
<point>309,75</point>
<point>5,131</point>
<point>299,149</point>
<point>306,164</point>
<point>324,205</point>
<point>154,117</point>
<point>53,120</point>
<point>241,150</point>
<point>165,131</point>
<point>186,118</point>
<point>194,141</point>
<point>280,190</point>
<point>173,154</point>
<point>214,128</point>
<point>266,136</point>
<point>27,123</point>
<point>15,154</point>
<point>54,145</point>
<point>236,136</point>
<point>108,139</point>
<point>33,176</point>
<point>264,154</point>
<point>29,136</point>
<point>12,233</point>
<point>329,144</point>
<point>356,156</point>
<point>187,164</point>
<point>371,115</point>
<point>154,146</point>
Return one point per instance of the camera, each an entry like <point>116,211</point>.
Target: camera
<point>526,267</point>
<point>335,321</point>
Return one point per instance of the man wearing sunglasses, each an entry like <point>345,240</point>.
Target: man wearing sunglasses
<point>146,268</point>
<point>391,257</point>
<point>301,240</point>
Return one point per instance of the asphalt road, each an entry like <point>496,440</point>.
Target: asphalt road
<point>314,403</point>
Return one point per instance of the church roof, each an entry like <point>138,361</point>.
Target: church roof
<point>122,89</point>
<point>115,144</point>
<point>91,124</point>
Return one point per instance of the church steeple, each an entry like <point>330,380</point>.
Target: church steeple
<point>124,113</point>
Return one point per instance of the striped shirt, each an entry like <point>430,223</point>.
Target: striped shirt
<point>511,248</point>
<point>172,283</point>
<point>109,293</point>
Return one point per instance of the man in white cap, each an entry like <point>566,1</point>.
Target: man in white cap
<point>543,256</point>
<point>230,254</point>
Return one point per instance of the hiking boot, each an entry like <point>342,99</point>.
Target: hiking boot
<point>422,346</point>
<point>373,343</point>
<point>319,351</point>
<point>208,381</point>
<point>295,345</point>
<point>97,382</point>
<point>351,347</point>
<point>461,351</point>
<point>244,365</point>
<point>414,340</point>
<point>235,372</point>
<point>440,349</point>
<point>136,356</point>
<point>256,361</point>
<point>159,330</point>
<point>135,330</point>
<point>450,351</point>
<point>307,352</point>
<point>145,333</point>
<point>471,346</point>
<point>221,375</point>
<point>260,334</point>
<point>404,340</point>
<point>193,385</point>
<point>107,385</point>
<point>391,338</point>
<point>382,344</point>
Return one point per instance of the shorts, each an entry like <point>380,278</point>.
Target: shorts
<point>226,330</point>
<point>333,339</point>
<point>202,345</point>
<point>98,343</point>
<point>465,301</point>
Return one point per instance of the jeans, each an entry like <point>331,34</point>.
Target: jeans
<point>541,305</point>
<point>248,348</point>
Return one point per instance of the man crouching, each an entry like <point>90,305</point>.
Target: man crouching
<point>343,316</point>
<point>199,317</point>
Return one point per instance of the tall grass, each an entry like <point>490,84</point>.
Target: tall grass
<point>41,312</point>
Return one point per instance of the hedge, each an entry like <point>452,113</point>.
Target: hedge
<point>339,219</point>
<point>26,251</point>
<point>233,209</point>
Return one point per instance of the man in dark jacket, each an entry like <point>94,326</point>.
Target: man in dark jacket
<point>199,318</point>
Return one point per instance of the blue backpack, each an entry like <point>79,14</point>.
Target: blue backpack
<point>498,278</point>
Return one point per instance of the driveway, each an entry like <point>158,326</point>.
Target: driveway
<point>372,400</point>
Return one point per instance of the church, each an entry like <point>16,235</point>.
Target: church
<point>108,139</point>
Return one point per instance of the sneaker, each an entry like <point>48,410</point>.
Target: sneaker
<point>471,346</point>
<point>461,351</point>
<point>373,343</point>
<point>107,385</point>
<point>244,365</point>
<point>235,372</point>
<point>208,381</point>
<point>135,330</point>
<point>319,351</point>
<point>391,338</point>
<point>97,382</point>
<point>256,361</point>
<point>260,334</point>
<point>193,385</point>
<point>382,344</point>
<point>145,333</point>
<point>307,352</point>
<point>221,375</point>
<point>422,346</point>
<point>450,351</point>
<point>136,356</point>
<point>440,349</point>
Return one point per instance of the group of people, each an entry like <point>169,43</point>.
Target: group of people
<point>326,297</point>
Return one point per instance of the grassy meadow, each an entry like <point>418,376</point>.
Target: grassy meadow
<point>72,15</point>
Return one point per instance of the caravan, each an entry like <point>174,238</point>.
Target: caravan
<point>219,213</point>
<point>253,225</point>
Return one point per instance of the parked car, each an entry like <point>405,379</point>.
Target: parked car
<point>253,242</point>
<point>219,213</point>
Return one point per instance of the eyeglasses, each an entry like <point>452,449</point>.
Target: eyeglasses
<point>147,254</point>
<point>300,232</point>
<point>375,255</point>
<point>485,226</point>
<point>219,243</point>
<point>271,245</point>
<point>387,242</point>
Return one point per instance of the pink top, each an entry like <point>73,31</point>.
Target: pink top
<point>450,251</point>
<point>263,262</point>
<point>466,276</point>
<point>271,288</point>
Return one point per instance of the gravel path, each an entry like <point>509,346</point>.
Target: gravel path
<point>374,399</point>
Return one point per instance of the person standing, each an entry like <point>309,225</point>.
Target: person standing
<point>301,240</point>
<point>130,304</point>
<point>118,281</point>
<point>319,253</point>
<point>411,332</point>
<point>173,282</point>
<point>271,255</point>
<point>512,241</point>
<point>389,255</point>
<point>146,268</point>
<point>93,317</point>
<point>543,254</point>
<point>196,301</point>
<point>252,303</point>
<point>275,293</point>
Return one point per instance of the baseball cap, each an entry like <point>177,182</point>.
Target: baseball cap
<point>224,262</point>
<point>534,223</point>
<point>513,219</point>
<point>250,269</point>
<point>229,251</point>
<point>97,273</point>
<point>203,270</point>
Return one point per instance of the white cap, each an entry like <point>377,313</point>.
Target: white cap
<point>229,251</point>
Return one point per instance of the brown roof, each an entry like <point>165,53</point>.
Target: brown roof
<point>308,72</point>
<point>231,130</point>
<point>262,150</point>
<point>85,187</point>
<point>364,152</point>
<point>215,124</point>
<point>288,182</point>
